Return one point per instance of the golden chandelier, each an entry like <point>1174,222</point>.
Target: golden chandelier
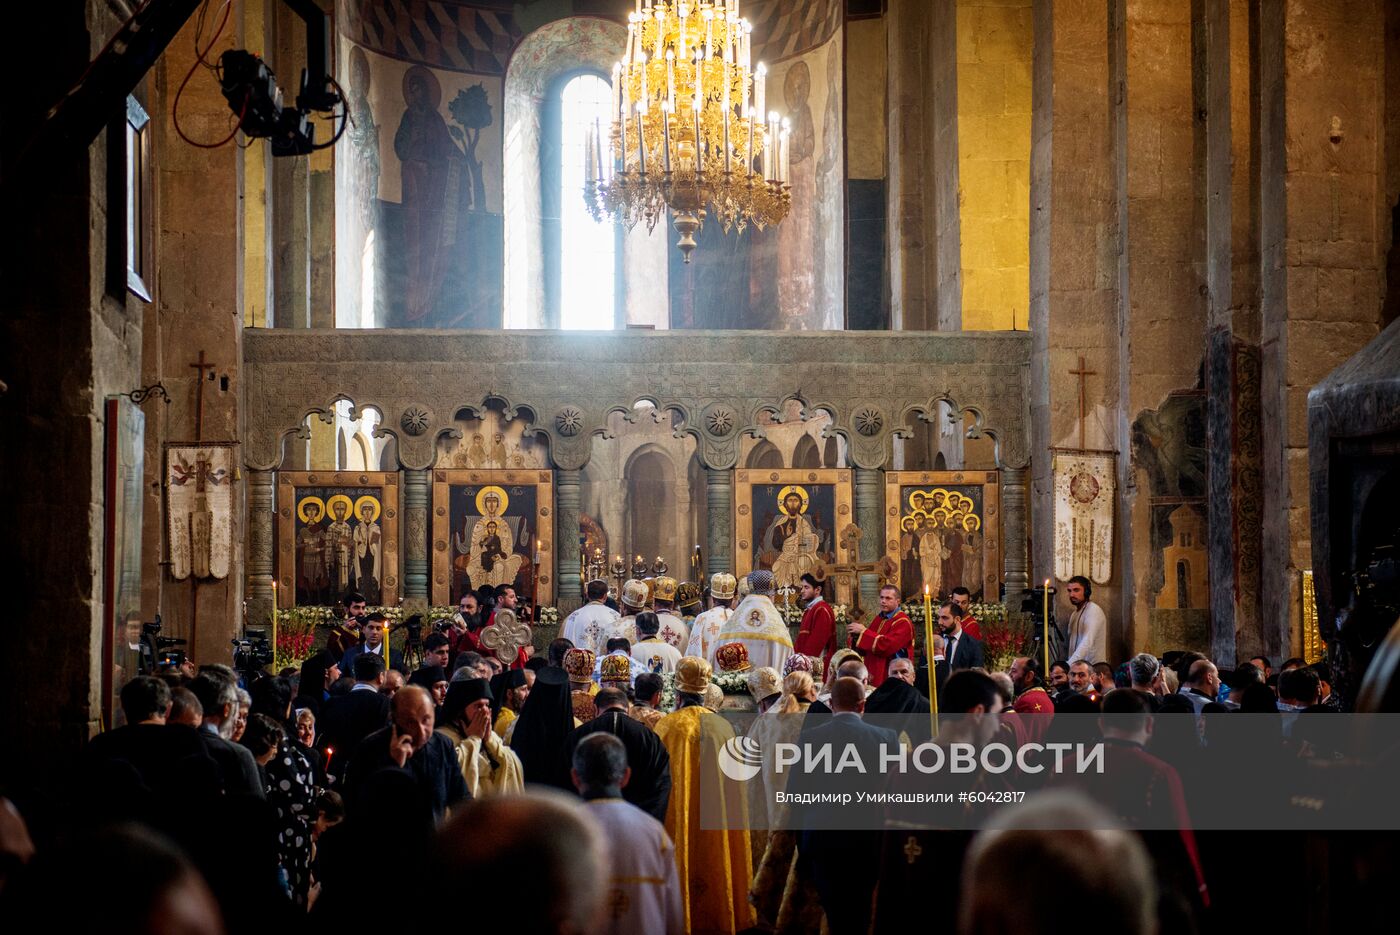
<point>688,128</point>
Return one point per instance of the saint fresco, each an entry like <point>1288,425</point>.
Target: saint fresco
<point>943,533</point>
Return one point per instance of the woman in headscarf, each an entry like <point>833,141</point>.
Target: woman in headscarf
<point>538,735</point>
<point>291,787</point>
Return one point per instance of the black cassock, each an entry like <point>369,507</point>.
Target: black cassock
<point>650,786</point>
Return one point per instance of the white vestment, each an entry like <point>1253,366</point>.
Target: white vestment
<point>704,633</point>
<point>642,892</point>
<point>656,655</point>
<point>587,627</point>
<point>758,625</point>
<point>673,629</point>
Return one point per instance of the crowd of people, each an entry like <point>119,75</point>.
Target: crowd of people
<point>560,791</point>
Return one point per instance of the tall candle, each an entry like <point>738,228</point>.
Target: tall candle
<point>748,160</point>
<point>666,136</point>
<point>932,667</point>
<point>1045,636</point>
<point>760,79</point>
<point>641,142</point>
<point>671,78</point>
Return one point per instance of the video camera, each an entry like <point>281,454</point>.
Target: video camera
<point>1033,603</point>
<point>153,646</point>
<point>253,651</point>
<point>413,631</point>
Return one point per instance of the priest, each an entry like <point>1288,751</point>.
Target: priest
<point>673,629</point>
<point>758,625</point>
<point>650,786</point>
<point>590,626</point>
<point>488,766</point>
<point>713,865</point>
<point>704,632</point>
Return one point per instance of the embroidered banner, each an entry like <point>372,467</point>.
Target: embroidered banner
<point>1084,485</point>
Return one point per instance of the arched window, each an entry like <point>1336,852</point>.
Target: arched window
<point>582,271</point>
<point>552,273</point>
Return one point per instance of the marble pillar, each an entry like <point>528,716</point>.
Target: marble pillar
<point>870,509</point>
<point>415,536</point>
<point>566,573</point>
<point>719,502</point>
<point>261,548</point>
<point>1015,557</point>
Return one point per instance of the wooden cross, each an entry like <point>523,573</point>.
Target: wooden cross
<point>200,366</point>
<point>1081,373</point>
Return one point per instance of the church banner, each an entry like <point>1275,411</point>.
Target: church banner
<point>942,531</point>
<point>493,527</point>
<point>788,521</point>
<point>337,531</point>
<point>199,509</point>
<point>1084,493</point>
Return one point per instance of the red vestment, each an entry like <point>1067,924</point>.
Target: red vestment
<point>879,643</point>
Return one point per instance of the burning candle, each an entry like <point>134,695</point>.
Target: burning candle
<point>666,137</point>
<point>928,658</point>
<point>1045,635</point>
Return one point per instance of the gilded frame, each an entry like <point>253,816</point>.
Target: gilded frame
<point>747,479</point>
<point>387,484</point>
<point>897,482</point>
<point>444,479</point>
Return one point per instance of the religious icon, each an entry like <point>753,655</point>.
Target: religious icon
<point>337,533</point>
<point>787,520</point>
<point>941,532</point>
<point>493,528</point>
<point>369,539</point>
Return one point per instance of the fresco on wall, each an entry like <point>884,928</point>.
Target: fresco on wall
<point>424,246</point>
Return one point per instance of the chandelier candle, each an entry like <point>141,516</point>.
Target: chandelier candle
<point>720,158</point>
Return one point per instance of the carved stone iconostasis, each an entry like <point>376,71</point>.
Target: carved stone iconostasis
<point>337,531</point>
<point>640,432</point>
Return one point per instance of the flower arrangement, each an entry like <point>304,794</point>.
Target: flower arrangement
<point>1003,641</point>
<point>732,683</point>
<point>547,616</point>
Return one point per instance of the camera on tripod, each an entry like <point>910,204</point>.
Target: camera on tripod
<point>413,631</point>
<point>1033,603</point>
<point>154,646</point>
<point>253,651</point>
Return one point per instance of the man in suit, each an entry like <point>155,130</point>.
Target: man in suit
<point>348,719</point>
<point>650,786</point>
<point>374,641</point>
<point>217,691</point>
<point>845,864</point>
<point>962,650</point>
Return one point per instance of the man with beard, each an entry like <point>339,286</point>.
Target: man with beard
<point>1088,627</point>
<point>650,786</point>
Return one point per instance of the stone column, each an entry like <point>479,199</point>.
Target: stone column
<point>719,502</point>
<point>261,548</point>
<point>415,536</point>
<point>870,508</point>
<point>1015,557</point>
<point>566,507</point>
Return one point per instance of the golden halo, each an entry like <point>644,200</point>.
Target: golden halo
<point>340,498</point>
<point>304,502</point>
<point>797,489</point>
<point>908,523</point>
<point>965,504</point>
<point>943,491</point>
<point>369,499</point>
<point>973,519</point>
<point>499,492</point>
<point>955,519</point>
<point>917,493</point>
<point>934,516</point>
